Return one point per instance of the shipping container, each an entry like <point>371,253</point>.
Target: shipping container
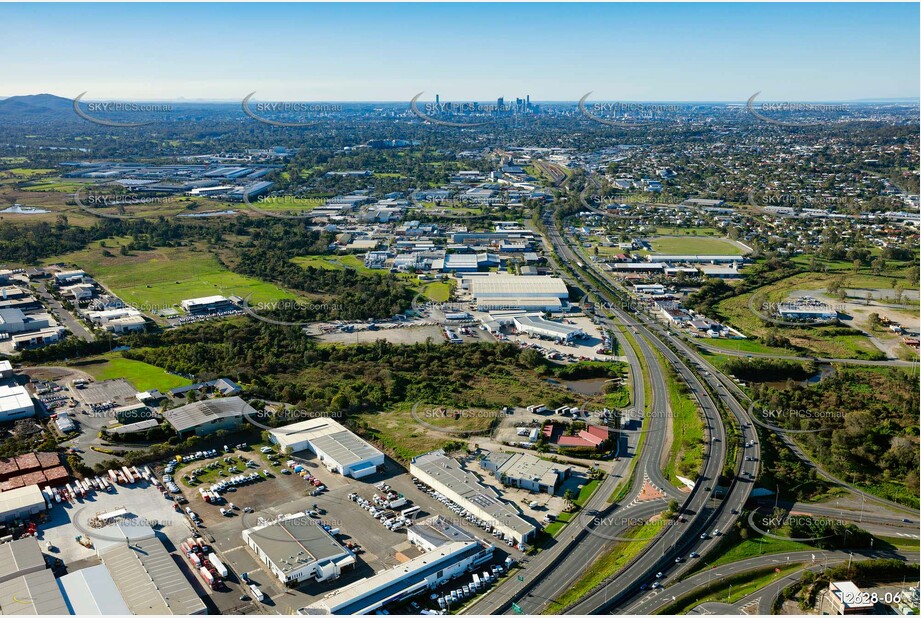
<point>218,565</point>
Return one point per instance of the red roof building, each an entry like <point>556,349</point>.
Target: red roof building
<point>8,468</point>
<point>28,463</point>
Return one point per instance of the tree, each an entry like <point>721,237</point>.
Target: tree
<point>878,266</point>
<point>569,496</point>
<point>873,320</point>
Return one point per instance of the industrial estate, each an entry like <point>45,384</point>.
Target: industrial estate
<point>513,356</point>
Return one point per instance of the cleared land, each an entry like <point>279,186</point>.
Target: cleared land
<point>161,278</point>
<point>826,341</point>
<point>331,262</point>
<point>142,376</point>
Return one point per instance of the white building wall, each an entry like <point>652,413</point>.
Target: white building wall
<point>469,506</point>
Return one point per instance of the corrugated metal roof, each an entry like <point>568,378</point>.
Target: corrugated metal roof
<point>295,542</point>
<point>150,581</point>
<point>201,413</point>
<point>92,591</point>
<point>330,437</point>
<point>20,557</point>
<point>34,594</point>
<point>28,498</point>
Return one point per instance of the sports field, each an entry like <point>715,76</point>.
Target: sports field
<point>690,245</point>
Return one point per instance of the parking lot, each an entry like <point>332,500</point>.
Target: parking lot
<point>144,503</point>
<point>378,548</point>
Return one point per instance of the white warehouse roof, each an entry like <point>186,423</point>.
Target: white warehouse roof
<point>92,592</point>
<point>14,398</point>
<point>515,286</point>
<point>328,436</point>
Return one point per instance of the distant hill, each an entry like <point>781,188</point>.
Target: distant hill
<point>35,105</point>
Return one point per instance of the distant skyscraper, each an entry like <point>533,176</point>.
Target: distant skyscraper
<point>437,100</point>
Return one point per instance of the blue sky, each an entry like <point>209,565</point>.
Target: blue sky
<point>390,52</point>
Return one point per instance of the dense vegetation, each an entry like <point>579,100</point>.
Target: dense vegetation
<point>768,369</point>
<point>865,422</point>
<point>283,364</point>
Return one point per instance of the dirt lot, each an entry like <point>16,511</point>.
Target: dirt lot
<point>859,311</point>
<point>404,335</point>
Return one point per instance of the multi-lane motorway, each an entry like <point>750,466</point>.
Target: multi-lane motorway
<point>703,512</point>
<point>729,432</point>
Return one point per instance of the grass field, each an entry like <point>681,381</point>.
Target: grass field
<point>25,172</point>
<point>55,184</point>
<point>682,231</point>
<point>730,589</point>
<point>747,345</point>
<point>161,278</point>
<point>438,291</point>
<point>286,203</point>
<point>685,455</point>
<point>763,545</point>
<point>690,245</point>
<point>142,376</point>
<point>611,561</point>
<point>331,262</point>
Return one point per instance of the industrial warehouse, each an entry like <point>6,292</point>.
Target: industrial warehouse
<point>296,548</point>
<point>526,471</point>
<point>532,293</point>
<point>448,477</point>
<point>449,553</point>
<point>202,418</point>
<point>337,448</point>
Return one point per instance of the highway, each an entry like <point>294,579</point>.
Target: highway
<point>690,352</point>
<point>554,571</point>
<point>605,527</point>
<point>704,513</point>
<point>555,568</point>
<point>654,601</point>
